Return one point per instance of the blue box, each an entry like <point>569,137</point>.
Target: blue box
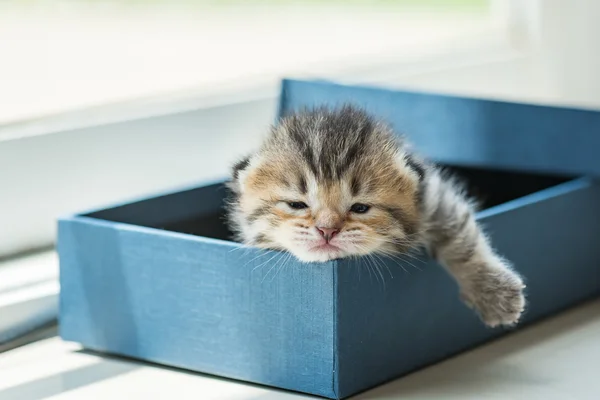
<point>158,280</point>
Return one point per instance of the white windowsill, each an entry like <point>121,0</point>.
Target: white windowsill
<point>553,360</point>
<point>28,293</point>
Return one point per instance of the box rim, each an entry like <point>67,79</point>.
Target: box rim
<point>148,196</point>
<point>147,230</point>
<point>396,89</point>
<point>535,197</point>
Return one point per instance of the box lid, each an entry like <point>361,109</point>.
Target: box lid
<point>467,131</point>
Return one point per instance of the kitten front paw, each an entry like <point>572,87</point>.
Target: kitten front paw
<point>496,295</point>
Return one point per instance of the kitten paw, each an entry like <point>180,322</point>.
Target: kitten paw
<point>496,295</point>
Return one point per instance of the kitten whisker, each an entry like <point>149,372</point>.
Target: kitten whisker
<point>407,254</point>
<point>276,263</point>
<point>370,259</point>
<point>388,268</point>
<point>284,260</point>
<point>264,263</point>
<point>400,260</point>
<point>378,269</point>
<point>261,253</point>
<point>358,267</point>
<point>415,258</point>
<point>368,265</point>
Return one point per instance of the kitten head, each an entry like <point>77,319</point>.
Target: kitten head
<point>327,184</point>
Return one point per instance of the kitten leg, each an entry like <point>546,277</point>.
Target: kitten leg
<point>487,282</point>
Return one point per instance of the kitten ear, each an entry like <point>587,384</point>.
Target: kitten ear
<point>238,169</point>
<point>240,166</point>
<point>416,165</point>
<point>411,162</point>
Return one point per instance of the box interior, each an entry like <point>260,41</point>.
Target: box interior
<point>200,211</point>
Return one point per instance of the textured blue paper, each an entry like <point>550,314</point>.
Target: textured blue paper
<point>155,280</point>
<point>195,303</point>
<point>551,237</point>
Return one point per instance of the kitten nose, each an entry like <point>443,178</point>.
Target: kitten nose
<point>328,233</point>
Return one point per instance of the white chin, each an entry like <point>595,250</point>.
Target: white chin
<point>317,256</point>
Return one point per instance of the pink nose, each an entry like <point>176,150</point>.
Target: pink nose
<point>328,233</point>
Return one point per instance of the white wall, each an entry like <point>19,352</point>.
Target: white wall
<point>45,176</point>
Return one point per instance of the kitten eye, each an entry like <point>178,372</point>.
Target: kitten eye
<point>297,205</point>
<point>359,208</point>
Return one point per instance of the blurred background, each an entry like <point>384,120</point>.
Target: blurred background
<point>103,101</point>
<point>66,55</point>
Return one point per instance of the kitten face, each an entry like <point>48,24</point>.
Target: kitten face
<point>327,185</point>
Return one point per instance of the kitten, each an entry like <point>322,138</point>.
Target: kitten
<point>333,183</point>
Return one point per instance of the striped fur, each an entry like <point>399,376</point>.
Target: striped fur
<point>338,161</point>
